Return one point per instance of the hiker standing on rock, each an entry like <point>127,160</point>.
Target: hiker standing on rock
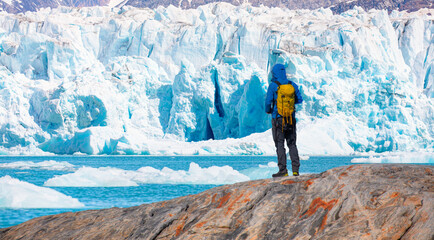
<point>282,95</point>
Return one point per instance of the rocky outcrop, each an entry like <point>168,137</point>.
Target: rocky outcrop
<point>353,202</point>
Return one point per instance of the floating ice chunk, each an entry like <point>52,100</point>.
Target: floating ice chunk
<point>269,165</point>
<point>398,158</point>
<point>18,194</point>
<point>302,157</point>
<point>93,177</point>
<point>261,172</point>
<point>50,165</point>
<point>265,171</point>
<point>194,175</point>
<point>113,177</point>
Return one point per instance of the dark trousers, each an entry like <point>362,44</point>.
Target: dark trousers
<point>279,138</point>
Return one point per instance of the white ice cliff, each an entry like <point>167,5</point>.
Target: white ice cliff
<point>169,81</point>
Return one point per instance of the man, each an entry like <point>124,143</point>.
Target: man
<point>283,129</point>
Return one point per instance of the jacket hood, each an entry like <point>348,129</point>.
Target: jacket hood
<point>279,73</point>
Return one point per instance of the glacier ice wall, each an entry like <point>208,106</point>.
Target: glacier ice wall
<point>169,81</point>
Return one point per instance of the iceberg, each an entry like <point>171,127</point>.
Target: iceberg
<point>424,158</point>
<point>18,194</point>
<point>195,175</point>
<point>114,177</point>
<point>103,80</point>
<point>50,165</point>
<point>93,177</point>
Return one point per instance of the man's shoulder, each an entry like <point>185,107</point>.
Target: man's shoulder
<point>273,84</point>
<point>293,83</point>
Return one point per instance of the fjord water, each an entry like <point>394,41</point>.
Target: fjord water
<point>37,170</point>
<point>36,186</point>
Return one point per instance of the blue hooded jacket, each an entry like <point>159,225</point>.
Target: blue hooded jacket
<point>279,74</point>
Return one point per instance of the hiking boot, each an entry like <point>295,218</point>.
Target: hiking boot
<point>280,174</point>
<point>295,174</point>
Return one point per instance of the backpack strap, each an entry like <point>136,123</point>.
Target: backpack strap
<point>278,86</point>
<point>277,82</point>
<point>274,102</point>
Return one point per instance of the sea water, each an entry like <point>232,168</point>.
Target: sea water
<point>36,186</point>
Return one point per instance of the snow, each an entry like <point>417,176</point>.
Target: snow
<point>105,80</point>
<point>19,194</point>
<point>114,3</point>
<point>8,2</point>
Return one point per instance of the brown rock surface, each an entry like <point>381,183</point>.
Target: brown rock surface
<point>354,202</point>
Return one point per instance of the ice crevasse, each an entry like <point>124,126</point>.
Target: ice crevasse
<point>105,80</point>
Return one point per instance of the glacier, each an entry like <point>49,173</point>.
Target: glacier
<point>168,81</point>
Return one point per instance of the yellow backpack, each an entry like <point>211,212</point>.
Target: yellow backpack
<point>285,102</point>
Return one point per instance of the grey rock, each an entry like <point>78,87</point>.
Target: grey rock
<point>392,201</point>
